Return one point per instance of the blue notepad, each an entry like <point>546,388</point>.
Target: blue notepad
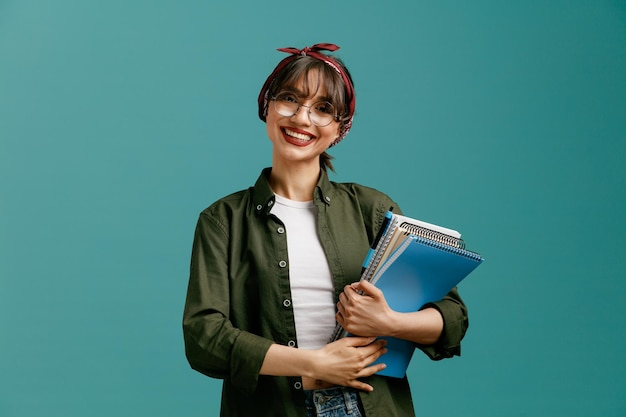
<point>418,272</point>
<point>413,263</point>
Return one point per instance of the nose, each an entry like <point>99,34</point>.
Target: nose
<point>303,115</point>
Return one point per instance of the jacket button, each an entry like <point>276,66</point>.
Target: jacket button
<point>287,302</point>
<point>291,343</point>
<point>298,385</point>
<point>259,207</point>
<point>282,264</point>
<point>281,230</point>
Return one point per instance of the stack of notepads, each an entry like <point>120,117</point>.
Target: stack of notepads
<point>413,263</point>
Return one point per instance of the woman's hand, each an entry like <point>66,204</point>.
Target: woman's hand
<point>346,360</point>
<point>363,310</point>
<point>341,362</point>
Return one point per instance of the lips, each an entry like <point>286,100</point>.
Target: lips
<point>297,137</point>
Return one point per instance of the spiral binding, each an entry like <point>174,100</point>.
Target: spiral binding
<point>442,246</point>
<point>379,252</point>
<point>413,229</point>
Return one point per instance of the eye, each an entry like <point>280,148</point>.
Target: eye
<point>288,97</point>
<point>324,107</point>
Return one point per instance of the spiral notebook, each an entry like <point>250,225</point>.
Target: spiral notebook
<point>413,263</point>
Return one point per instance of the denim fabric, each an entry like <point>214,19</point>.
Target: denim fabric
<point>333,402</point>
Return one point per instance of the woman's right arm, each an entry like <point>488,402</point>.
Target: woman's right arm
<point>338,363</point>
<point>216,348</point>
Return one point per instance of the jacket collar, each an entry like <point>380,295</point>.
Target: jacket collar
<point>263,197</point>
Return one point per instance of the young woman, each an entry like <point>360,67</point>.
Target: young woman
<point>274,266</point>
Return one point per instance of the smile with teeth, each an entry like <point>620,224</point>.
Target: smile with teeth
<point>299,136</point>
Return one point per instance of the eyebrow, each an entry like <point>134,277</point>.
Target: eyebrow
<point>300,93</point>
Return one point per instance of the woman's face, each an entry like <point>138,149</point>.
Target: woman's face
<point>295,138</point>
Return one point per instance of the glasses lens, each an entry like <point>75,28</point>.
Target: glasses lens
<point>286,104</point>
<point>322,113</point>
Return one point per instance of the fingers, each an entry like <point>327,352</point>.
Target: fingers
<point>367,288</point>
<point>360,385</point>
<point>346,299</point>
<point>345,316</point>
<point>370,348</point>
<point>369,371</point>
<point>352,292</point>
<point>356,341</point>
<point>356,354</point>
<point>375,351</point>
<point>347,295</point>
<point>342,313</point>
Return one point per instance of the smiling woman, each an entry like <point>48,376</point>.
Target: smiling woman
<point>302,123</point>
<point>276,265</point>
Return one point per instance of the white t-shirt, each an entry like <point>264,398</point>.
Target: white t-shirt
<point>309,275</point>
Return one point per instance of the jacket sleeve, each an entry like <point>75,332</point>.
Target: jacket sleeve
<point>455,324</point>
<point>213,346</point>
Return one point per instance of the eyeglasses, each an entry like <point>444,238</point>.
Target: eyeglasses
<point>321,113</point>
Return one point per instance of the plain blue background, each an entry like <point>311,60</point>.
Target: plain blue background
<point>121,120</point>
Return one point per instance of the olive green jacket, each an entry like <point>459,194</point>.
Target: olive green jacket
<point>239,300</point>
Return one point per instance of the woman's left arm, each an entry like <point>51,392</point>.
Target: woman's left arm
<point>437,328</point>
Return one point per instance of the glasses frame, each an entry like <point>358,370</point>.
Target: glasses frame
<point>335,117</point>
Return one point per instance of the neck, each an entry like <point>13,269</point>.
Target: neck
<point>295,183</point>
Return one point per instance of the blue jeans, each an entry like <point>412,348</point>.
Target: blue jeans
<point>333,402</point>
